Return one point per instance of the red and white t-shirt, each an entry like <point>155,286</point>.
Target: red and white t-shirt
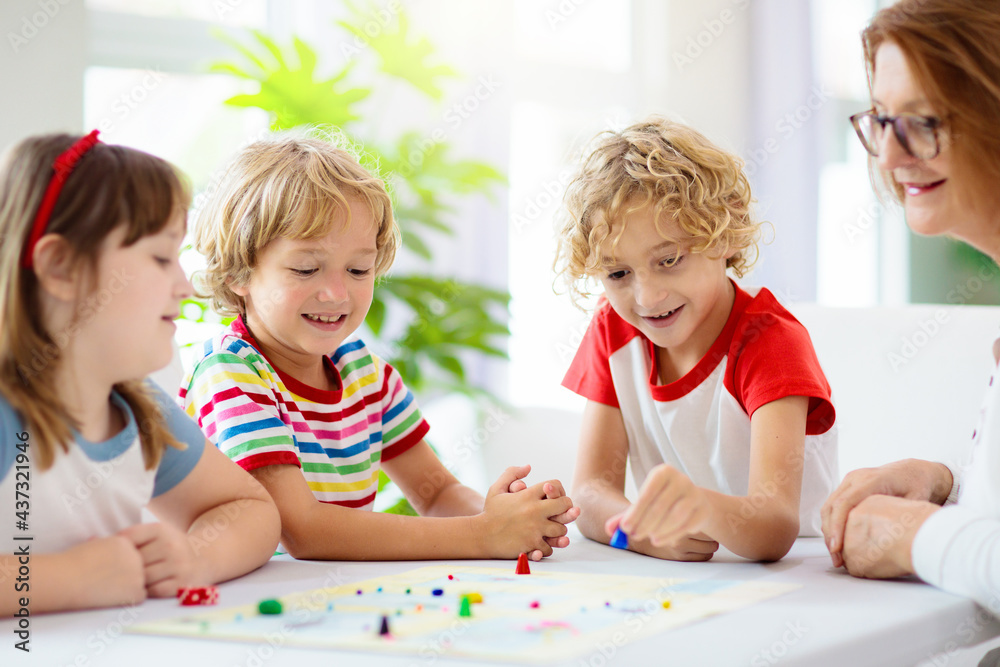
<point>700,424</point>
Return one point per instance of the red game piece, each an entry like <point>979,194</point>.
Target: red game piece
<point>194,596</point>
<point>522,565</point>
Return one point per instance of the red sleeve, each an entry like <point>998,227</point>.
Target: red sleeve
<point>402,424</point>
<point>774,358</point>
<point>589,373</point>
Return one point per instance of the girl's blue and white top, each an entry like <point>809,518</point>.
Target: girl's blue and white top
<point>95,490</point>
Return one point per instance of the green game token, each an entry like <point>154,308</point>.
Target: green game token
<point>464,610</point>
<point>269,607</point>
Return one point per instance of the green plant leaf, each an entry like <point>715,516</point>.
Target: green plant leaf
<point>401,54</point>
<point>289,86</point>
<point>376,316</point>
<point>444,319</point>
<point>401,506</point>
<point>416,245</point>
<point>383,481</point>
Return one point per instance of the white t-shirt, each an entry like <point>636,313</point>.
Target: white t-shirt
<point>95,489</point>
<point>700,424</point>
<point>958,547</point>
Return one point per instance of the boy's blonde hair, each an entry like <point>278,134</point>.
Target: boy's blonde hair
<point>670,167</point>
<point>283,187</point>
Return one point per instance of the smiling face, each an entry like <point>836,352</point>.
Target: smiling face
<point>127,321</point>
<point>305,296</point>
<point>929,196</point>
<point>678,299</point>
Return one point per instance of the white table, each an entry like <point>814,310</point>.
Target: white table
<point>834,619</point>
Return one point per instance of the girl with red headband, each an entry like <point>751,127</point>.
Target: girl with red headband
<point>90,284</point>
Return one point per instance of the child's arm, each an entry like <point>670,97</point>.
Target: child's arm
<point>599,487</point>
<point>760,526</point>
<point>433,491</point>
<point>763,525</point>
<point>219,523</point>
<point>510,523</point>
<point>96,573</point>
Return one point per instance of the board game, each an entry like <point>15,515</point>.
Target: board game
<point>540,618</point>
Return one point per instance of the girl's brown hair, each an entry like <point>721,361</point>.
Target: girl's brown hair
<point>953,49</point>
<point>109,187</point>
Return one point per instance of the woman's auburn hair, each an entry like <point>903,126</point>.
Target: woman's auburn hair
<point>287,186</point>
<point>675,170</point>
<point>111,186</point>
<point>953,50</point>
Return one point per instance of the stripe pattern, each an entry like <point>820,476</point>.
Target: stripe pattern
<point>258,416</point>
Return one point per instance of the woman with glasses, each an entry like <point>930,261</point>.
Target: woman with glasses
<point>933,134</point>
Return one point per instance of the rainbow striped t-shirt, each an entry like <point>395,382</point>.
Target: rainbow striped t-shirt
<point>259,416</point>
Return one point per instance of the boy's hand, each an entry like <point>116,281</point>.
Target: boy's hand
<point>514,479</point>
<point>510,480</point>
<point>669,509</point>
<point>520,522</point>
<point>168,558</point>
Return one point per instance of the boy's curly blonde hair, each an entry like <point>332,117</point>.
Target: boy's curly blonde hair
<point>288,186</point>
<point>670,167</point>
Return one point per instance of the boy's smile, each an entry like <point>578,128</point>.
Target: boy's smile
<point>306,296</point>
<point>678,299</point>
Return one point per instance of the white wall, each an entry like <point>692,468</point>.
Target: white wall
<point>42,58</point>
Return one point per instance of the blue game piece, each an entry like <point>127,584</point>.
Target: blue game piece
<point>437,591</point>
<point>619,540</point>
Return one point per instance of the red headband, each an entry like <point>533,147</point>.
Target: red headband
<point>62,168</point>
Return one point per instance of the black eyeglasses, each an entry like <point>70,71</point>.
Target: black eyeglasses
<point>918,135</point>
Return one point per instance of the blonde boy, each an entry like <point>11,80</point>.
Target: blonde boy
<point>295,237</point>
<point>712,392</point>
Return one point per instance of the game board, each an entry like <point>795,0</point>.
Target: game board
<point>541,617</point>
